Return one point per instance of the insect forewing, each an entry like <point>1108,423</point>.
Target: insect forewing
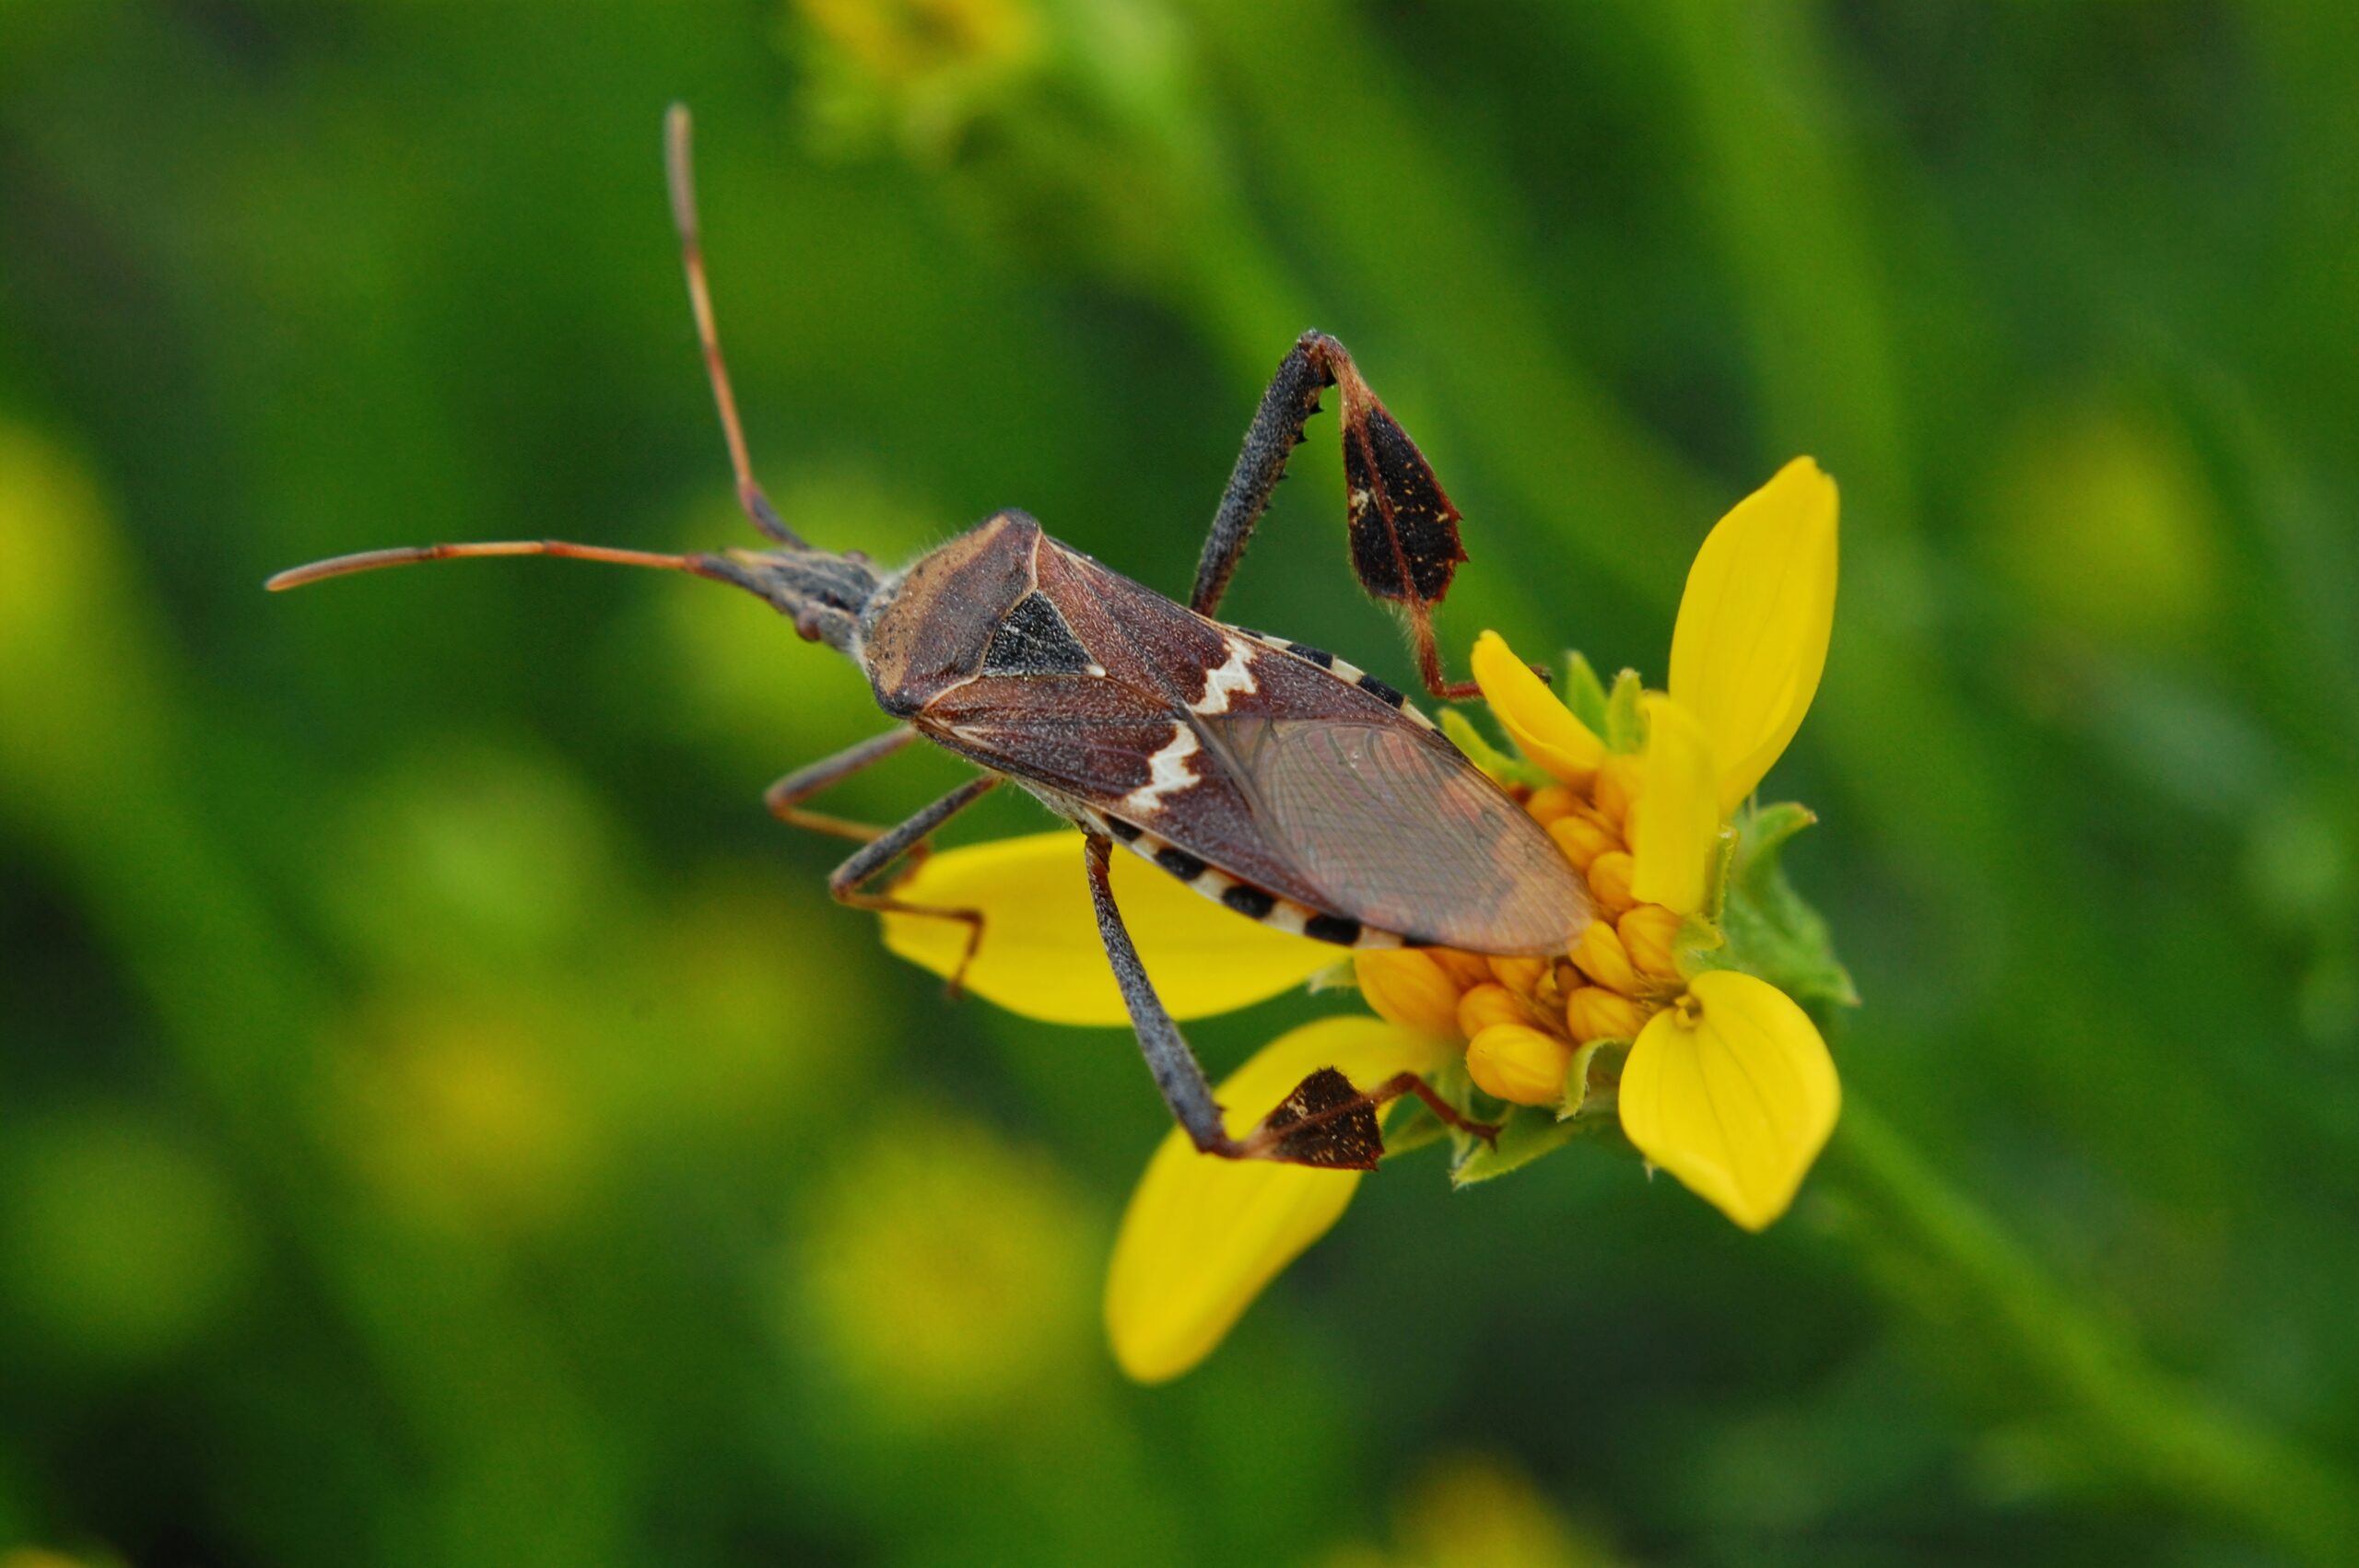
<point>1267,767</point>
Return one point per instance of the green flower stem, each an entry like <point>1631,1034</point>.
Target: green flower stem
<point>2140,1427</point>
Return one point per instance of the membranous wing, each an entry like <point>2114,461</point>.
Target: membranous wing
<point>1397,829</point>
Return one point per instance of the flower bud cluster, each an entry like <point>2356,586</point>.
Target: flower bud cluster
<point>1524,1019</point>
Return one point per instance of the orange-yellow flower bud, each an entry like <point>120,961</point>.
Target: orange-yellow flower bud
<point>1604,960</point>
<point>1409,988</point>
<point>1583,838</point>
<point>1648,934</point>
<point>1464,968</point>
<point>1616,786</point>
<point>1609,883</point>
<point>1488,1004</point>
<point>1550,802</point>
<point>1593,1012</point>
<point>1518,975</point>
<point>1520,1064</point>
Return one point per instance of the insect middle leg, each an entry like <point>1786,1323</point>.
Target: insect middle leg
<point>847,881</point>
<point>1325,1122</point>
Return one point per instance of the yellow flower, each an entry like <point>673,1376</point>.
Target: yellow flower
<point>1728,1084</point>
<point>1717,1077</point>
<point>1203,1236</point>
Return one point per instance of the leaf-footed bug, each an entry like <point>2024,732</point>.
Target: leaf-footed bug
<point>1271,777</point>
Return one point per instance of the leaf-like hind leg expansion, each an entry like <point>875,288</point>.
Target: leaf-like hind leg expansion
<point>1325,1122</point>
<point>845,883</point>
<point>1328,1123</point>
<point>785,798</point>
<point>1404,537</point>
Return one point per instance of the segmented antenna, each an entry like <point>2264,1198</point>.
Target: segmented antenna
<point>713,566</point>
<point>680,166</point>
<point>750,495</point>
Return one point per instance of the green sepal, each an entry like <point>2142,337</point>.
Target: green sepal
<point>1504,768</point>
<point>1525,1134</point>
<point>1583,693</point>
<point>1592,1083</point>
<point>1626,717</point>
<point>1700,946</point>
<point>1765,926</point>
<point>1598,1117</point>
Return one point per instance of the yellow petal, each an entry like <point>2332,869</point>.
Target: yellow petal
<point>1751,640</point>
<point>1675,823</point>
<point>1542,728</point>
<point>1040,955</point>
<point>1731,1091</point>
<point>1202,1235</point>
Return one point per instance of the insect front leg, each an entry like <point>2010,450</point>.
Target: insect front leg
<point>846,882</point>
<point>785,798</point>
<point>1325,1122</point>
<point>1405,546</point>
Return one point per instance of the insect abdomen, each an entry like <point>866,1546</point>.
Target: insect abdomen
<point>1243,897</point>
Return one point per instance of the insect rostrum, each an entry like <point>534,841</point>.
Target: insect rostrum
<point>1272,778</point>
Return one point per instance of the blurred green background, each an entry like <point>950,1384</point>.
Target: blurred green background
<point>442,1119</point>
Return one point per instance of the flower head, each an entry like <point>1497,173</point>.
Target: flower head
<point>1678,1020</point>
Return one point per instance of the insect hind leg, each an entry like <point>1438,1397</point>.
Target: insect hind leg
<point>1404,538</point>
<point>1326,1122</point>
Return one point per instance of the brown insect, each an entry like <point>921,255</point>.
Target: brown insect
<point>1293,788</point>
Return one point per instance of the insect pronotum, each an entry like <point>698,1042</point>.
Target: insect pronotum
<point>1293,788</point>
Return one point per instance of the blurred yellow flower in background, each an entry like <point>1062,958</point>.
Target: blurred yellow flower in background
<point>943,1274</point>
<point>1472,1510</point>
<point>1665,1019</point>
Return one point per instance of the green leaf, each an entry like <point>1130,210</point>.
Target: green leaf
<point>1626,719</point>
<point>1584,693</point>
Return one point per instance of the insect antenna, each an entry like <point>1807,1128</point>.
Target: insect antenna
<point>714,566</point>
<point>681,174</point>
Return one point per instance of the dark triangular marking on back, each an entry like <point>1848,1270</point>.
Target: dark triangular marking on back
<point>1035,641</point>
